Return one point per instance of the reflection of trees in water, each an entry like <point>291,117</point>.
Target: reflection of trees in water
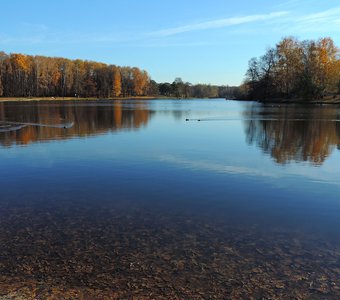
<point>88,118</point>
<point>294,133</point>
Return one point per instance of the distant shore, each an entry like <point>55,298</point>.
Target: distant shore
<point>325,100</point>
<point>7,99</point>
<point>47,99</point>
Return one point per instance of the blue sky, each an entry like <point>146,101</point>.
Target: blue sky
<point>201,41</point>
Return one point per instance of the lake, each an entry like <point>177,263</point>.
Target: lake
<point>169,199</point>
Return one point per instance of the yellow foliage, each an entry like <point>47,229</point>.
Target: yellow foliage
<point>20,61</point>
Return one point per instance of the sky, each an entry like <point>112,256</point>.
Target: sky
<point>200,41</point>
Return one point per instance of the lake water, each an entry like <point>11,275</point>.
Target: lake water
<point>169,199</point>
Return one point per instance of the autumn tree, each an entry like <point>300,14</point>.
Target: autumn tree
<point>327,57</point>
<point>20,67</point>
<point>336,75</point>
<point>1,87</point>
<point>308,69</point>
<point>126,81</point>
<point>2,59</point>
<point>140,81</point>
<point>25,75</point>
<point>116,82</point>
<point>289,65</point>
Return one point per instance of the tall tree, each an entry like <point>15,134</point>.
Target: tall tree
<point>116,82</point>
<point>20,65</point>
<point>289,65</point>
<point>140,81</point>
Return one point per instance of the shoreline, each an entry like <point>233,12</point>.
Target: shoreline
<point>51,99</point>
<point>54,99</point>
<point>316,102</point>
<point>326,100</point>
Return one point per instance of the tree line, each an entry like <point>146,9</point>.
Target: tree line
<point>40,76</point>
<point>180,89</point>
<point>295,69</point>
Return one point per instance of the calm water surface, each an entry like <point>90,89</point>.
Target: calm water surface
<point>169,199</point>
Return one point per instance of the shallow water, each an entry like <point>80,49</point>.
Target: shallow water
<point>175,199</point>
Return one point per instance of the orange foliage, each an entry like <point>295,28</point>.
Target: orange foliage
<point>116,82</point>
<point>20,61</point>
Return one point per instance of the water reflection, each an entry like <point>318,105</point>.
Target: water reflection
<point>294,133</point>
<point>6,126</point>
<point>27,123</point>
<point>288,133</point>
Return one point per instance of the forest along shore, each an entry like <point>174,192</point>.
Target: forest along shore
<point>51,99</point>
<point>15,99</point>
<point>325,100</point>
<point>300,70</point>
<point>25,76</point>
